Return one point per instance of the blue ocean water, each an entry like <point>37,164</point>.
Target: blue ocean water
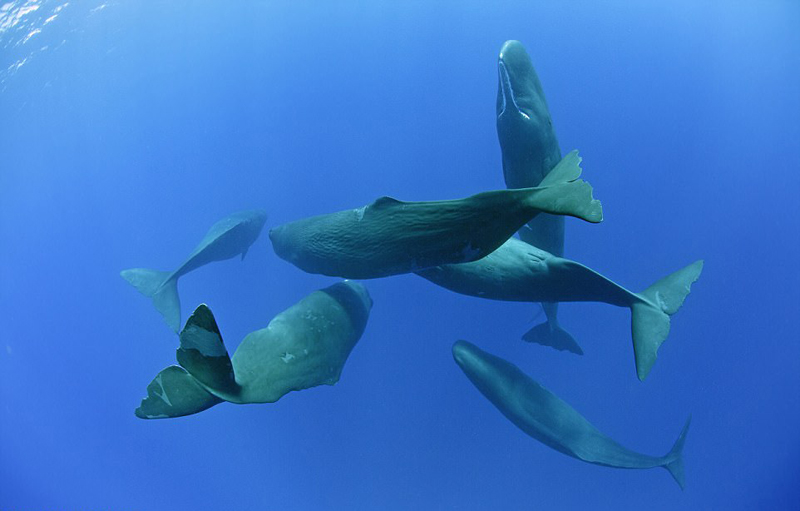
<point>128,128</point>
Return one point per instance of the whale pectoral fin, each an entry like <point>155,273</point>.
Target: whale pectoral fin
<point>174,393</point>
<point>244,253</point>
<point>202,353</point>
<point>565,171</point>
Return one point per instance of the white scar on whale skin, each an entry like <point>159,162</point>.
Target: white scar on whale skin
<point>469,253</point>
<point>360,212</point>
<point>507,81</point>
<point>200,339</point>
<point>163,394</point>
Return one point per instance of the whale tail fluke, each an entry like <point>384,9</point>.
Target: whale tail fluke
<point>562,193</point>
<point>650,317</point>
<point>203,379</point>
<point>160,287</point>
<point>675,457</point>
<point>202,353</point>
<point>174,393</point>
<point>551,334</point>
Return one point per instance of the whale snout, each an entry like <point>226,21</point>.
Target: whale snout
<point>464,354</point>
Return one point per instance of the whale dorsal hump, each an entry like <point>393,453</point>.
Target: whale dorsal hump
<point>386,202</point>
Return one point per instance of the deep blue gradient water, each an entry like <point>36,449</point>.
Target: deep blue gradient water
<point>128,128</point>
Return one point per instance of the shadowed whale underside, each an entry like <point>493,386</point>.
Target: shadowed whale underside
<point>304,346</point>
<point>520,272</point>
<point>550,420</point>
<point>226,239</point>
<point>390,237</point>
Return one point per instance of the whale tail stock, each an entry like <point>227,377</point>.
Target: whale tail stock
<point>562,193</point>
<point>674,458</point>
<point>160,287</point>
<point>650,317</point>
<point>551,334</point>
<point>203,379</point>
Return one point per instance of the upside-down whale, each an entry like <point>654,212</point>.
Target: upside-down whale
<point>390,237</point>
<point>302,347</point>
<point>227,238</point>
<point>550,420</point>
<point>530,150</point>
<point>523,273</point>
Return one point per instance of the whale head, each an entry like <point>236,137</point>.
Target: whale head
<point>524,126</point>
<point>490,374</point>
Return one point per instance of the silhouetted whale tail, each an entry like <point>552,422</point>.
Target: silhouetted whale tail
<point>650,317</point>
<point>675,456</point>
<point>551,334</point>
<point>160,287</point>
<point>203,379</point>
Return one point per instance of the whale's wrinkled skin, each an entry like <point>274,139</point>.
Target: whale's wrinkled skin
<point>304,346</point>
<point>390,237</point>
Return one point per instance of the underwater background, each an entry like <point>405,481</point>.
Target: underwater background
<point>128,128</point>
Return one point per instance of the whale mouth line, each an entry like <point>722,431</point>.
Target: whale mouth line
<point>508,90</point>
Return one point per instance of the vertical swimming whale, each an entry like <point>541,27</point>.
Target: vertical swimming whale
<point>550,420</point>
<point>530,150</point>
<point>227,238</point>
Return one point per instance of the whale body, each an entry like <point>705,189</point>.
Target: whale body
<point>226,239</point>
<point>390,237</point>
<point>517,271</point>
<point>304,346</point>
<point>550,420</point>
<point>530,151</point>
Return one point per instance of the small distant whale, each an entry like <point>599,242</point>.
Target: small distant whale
<point>304,346</point>
<point>547,418</point>
<point>520,272</point>
<point>530,150</point>
<point>227,238</point>
<point>390,237</point>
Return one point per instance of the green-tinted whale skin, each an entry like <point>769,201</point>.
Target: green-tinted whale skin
<point>390,237</point>
<point>304,346</point>
<point>520,272</point>
<point>550,420</point>
<point>530,150</point>
<point>527,139</point>
<point>227,238</point>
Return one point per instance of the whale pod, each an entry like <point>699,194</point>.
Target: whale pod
<point>304,346</point>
